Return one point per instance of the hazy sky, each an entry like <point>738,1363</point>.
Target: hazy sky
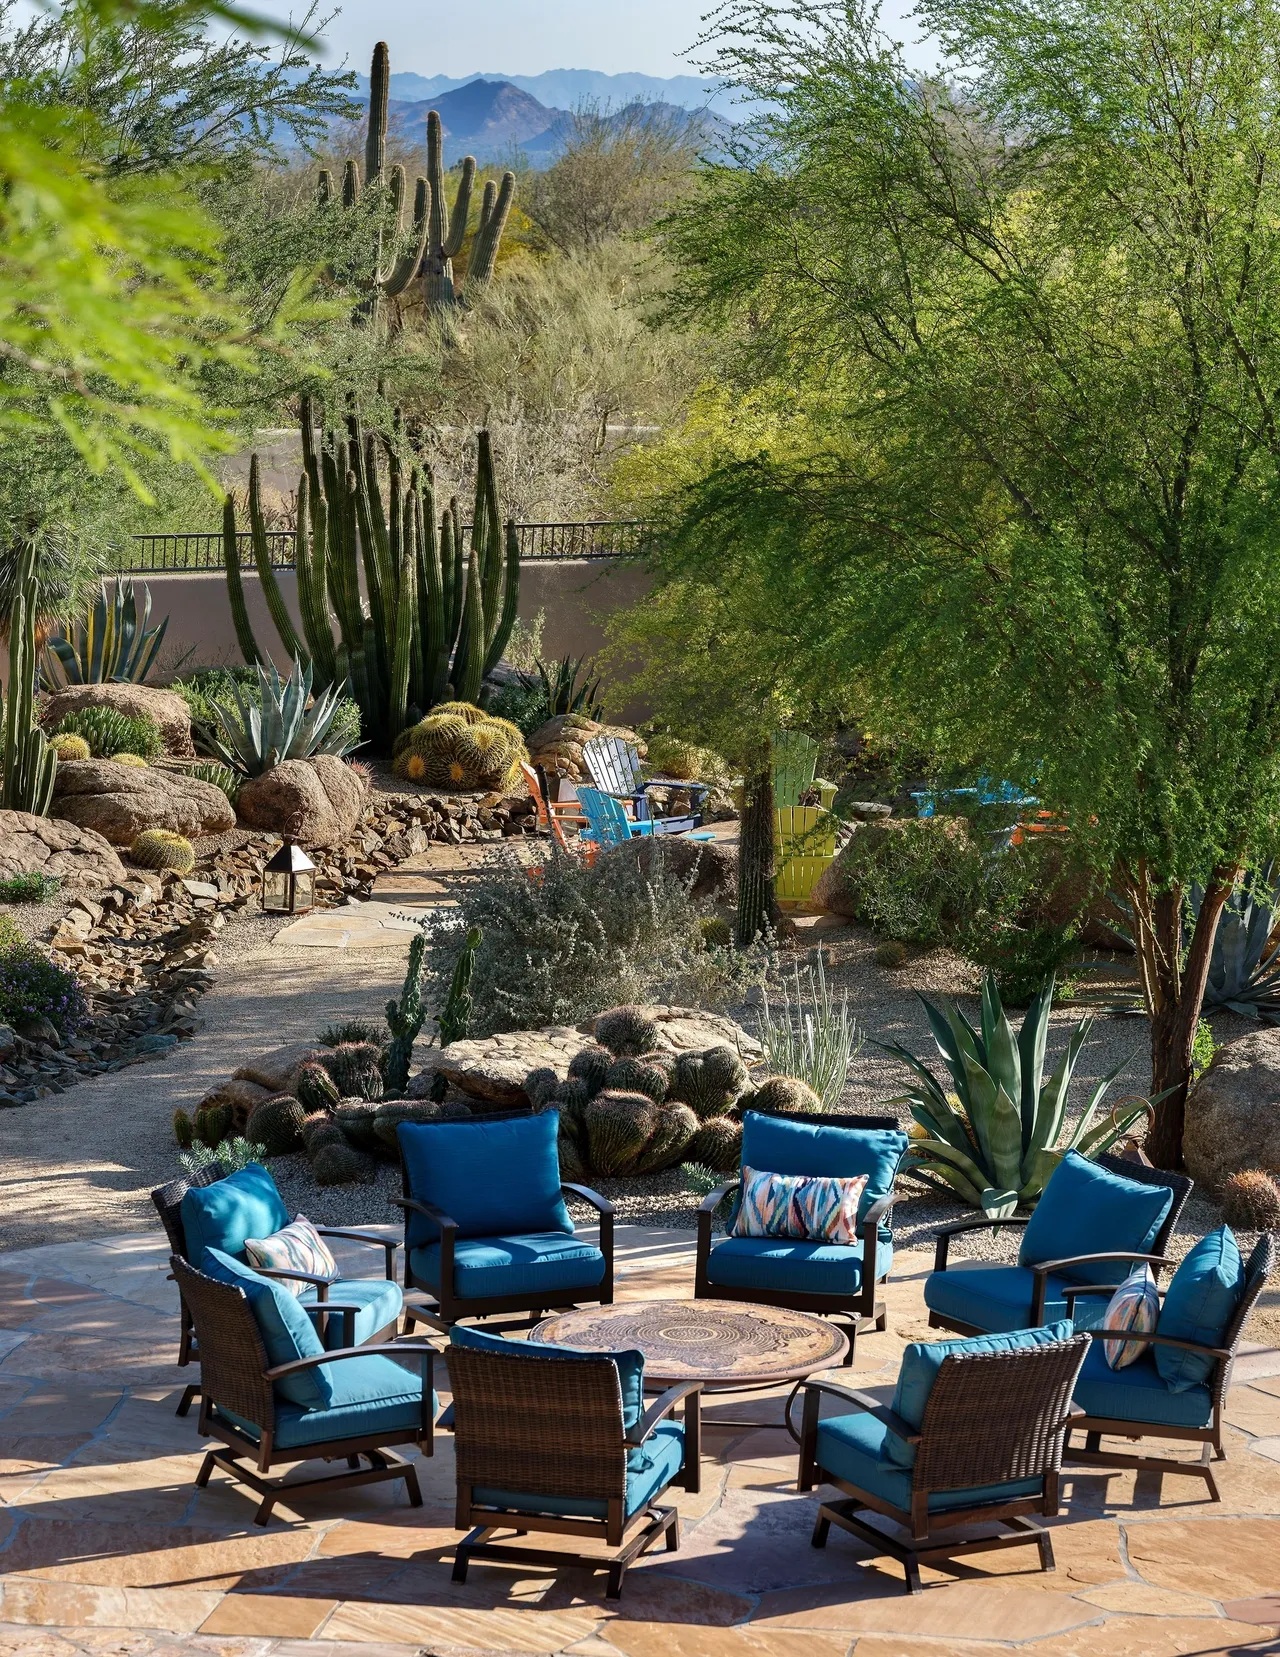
<point>520,37</point>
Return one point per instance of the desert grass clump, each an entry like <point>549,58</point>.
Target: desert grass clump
<point>162,849</point>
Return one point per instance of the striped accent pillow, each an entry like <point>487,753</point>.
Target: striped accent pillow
<point>808,1207</point>
<point>297,1247</point>
<point>1135,1305</point>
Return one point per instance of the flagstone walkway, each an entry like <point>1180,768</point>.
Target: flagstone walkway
<point>107,1549</point>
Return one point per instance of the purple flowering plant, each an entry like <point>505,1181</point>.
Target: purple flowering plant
<point>32,986</point>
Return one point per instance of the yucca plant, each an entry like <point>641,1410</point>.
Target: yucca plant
<point>996,1133</point>
<point>814,1037</point>
<point>283,723</point>
<point>113,644</point>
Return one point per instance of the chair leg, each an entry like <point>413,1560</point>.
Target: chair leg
<point>1045,1543</point>
<point>206,1467</point>
<point>412,1486</point>
<point>189,1395</point>
<point>353,1462</point>
<point>1093,1441</point>
<point>821,1530</point>
<point>673,1533</point>
<point>263,1515</point>
<point>911,1569</point>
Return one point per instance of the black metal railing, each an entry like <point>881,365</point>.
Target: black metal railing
<point>198,550</point>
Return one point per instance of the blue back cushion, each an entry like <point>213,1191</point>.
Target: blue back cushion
<point>1086,1209</point>
<point>630,1365</point>
<point>496,1179</point>
<point>1201,1301</point>
<point>782,1145</point>
<point>221,1216</point>
<point>287,1332</point>
<point>923,1359</point>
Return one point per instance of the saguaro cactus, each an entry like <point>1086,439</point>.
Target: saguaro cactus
<point>437,234</point>
<point>432,616</point>
<point>30,764</point>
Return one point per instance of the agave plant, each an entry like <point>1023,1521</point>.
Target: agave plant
<point>284,723</point>
<point>111,645</point>
<point>996,1134</point>
<point>563,692</point>
<point>1244,972</point>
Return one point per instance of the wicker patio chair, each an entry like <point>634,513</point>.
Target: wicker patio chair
<point>541,1444</point>
<point>323,1300</point>
<point>1134,1402</point>
<point>488,1253</point>
<point>836,1281</point>
<point>241,1403</point>
<point>988,1449</point>
<point>1032,1294</point>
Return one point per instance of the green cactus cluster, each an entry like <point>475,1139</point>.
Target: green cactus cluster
<point>438,612</point>
<point>276,1124</point>
<point>207,1126</point>
<point>315,1087</point>
<point>452,750</point>
<point>781,1093</point>
<point>355,1069</point>
<point>30,764</point>
<point>404,1019</point>
<point>162,849</point>
<point>436,235</point>
<point>392,1112</point>
<point>627,1108</point>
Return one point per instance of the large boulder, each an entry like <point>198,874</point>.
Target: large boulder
<point>81,859</point>
<point>119,801</point>
<point>711,865</point>
<point>277,1070</point>
<point>557,745</point>
<point>495,1068</point>
<point>1233,1111</point>
<point>166,707</point>
<point>318,801</point>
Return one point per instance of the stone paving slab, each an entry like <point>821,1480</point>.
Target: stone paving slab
<point>108,1550</point>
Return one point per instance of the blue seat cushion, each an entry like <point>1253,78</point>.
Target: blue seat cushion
<point>662,1459</point>
<point>629,1363</point>
<point>1138,1393</point>
<point>792,1267</point>
<point>923,1359</point>
<point>1202,1299</point>
<point>371,1397</point>
<point>223,1215</point>
<point>546,1262</point>
<point>380,1302</point>
<point>496,1179</point>
<point>286,1329</point>
<point>997,1299</point>
<point>1085,1209</point>
<point>782,1145</point>
<point>851,1447</point>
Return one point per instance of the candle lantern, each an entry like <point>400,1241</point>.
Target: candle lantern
<point>289,881</point>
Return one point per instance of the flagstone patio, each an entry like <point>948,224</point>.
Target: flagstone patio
<point>107,1548</point>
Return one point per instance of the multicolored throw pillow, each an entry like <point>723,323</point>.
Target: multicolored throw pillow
<point>1136,1306</point>
<point>808,1207</point>
<point>297,1247</point>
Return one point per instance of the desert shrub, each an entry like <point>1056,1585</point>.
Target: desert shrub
<point>33,986</point>
<point>1024,921</point>
<point>30,888</point>
<point>109,732</point>
<point>914,881</point>
<point>563,941</point>
<point>1202,1049</point>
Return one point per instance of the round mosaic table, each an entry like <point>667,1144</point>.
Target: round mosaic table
<point>730,1345</point>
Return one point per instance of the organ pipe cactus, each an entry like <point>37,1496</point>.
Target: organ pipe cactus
<point>435,235</point>
<point>30,764</point>
<point>996,1134</point>
<point>437,612</point>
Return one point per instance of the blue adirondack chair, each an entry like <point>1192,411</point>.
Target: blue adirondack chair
<point>608,823</point>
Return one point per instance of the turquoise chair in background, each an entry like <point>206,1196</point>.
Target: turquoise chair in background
<point>608,824</point>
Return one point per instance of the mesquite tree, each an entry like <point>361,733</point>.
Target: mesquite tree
<point>1033,310</point>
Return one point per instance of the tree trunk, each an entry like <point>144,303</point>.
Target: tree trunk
<point>755,855</point>
<point>1173,985</point>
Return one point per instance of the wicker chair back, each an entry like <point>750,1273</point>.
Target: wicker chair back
<point>233,1360</point>
<point>168,1201</point>
<point>545,1426</point>
<point>993,1417</point>
<point>1258,1268</point>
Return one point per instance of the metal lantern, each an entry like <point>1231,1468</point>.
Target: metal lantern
<point>289,881</point>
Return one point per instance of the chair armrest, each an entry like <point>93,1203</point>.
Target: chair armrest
<point>865,1402</point>
<point>661,1406</point>
<point>438,1215</point>
<point>877,1212</point>
<point>1074,1293</point>
<point>706,1209</point>
<point>601,1204</point>
<point>1157,1340</point>
<point>713,1199</point>
<point>416,1348</point>
<point>1047,1266</point>
<point>870,1233</point>
<point>947,1232</point>
<point>389,1247</point>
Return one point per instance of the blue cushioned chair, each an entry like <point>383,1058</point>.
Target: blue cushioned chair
<point>1095,1221</point>
<point>214,1209</point>
<point>974,1436</point>
<point>1139,1401</point>
<point>838,1280</point>
<point>551,1438</point>
<point>486,1227</point>
<point>272,1393</point>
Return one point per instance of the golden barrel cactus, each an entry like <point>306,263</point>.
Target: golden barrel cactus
<point>458,746</point>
